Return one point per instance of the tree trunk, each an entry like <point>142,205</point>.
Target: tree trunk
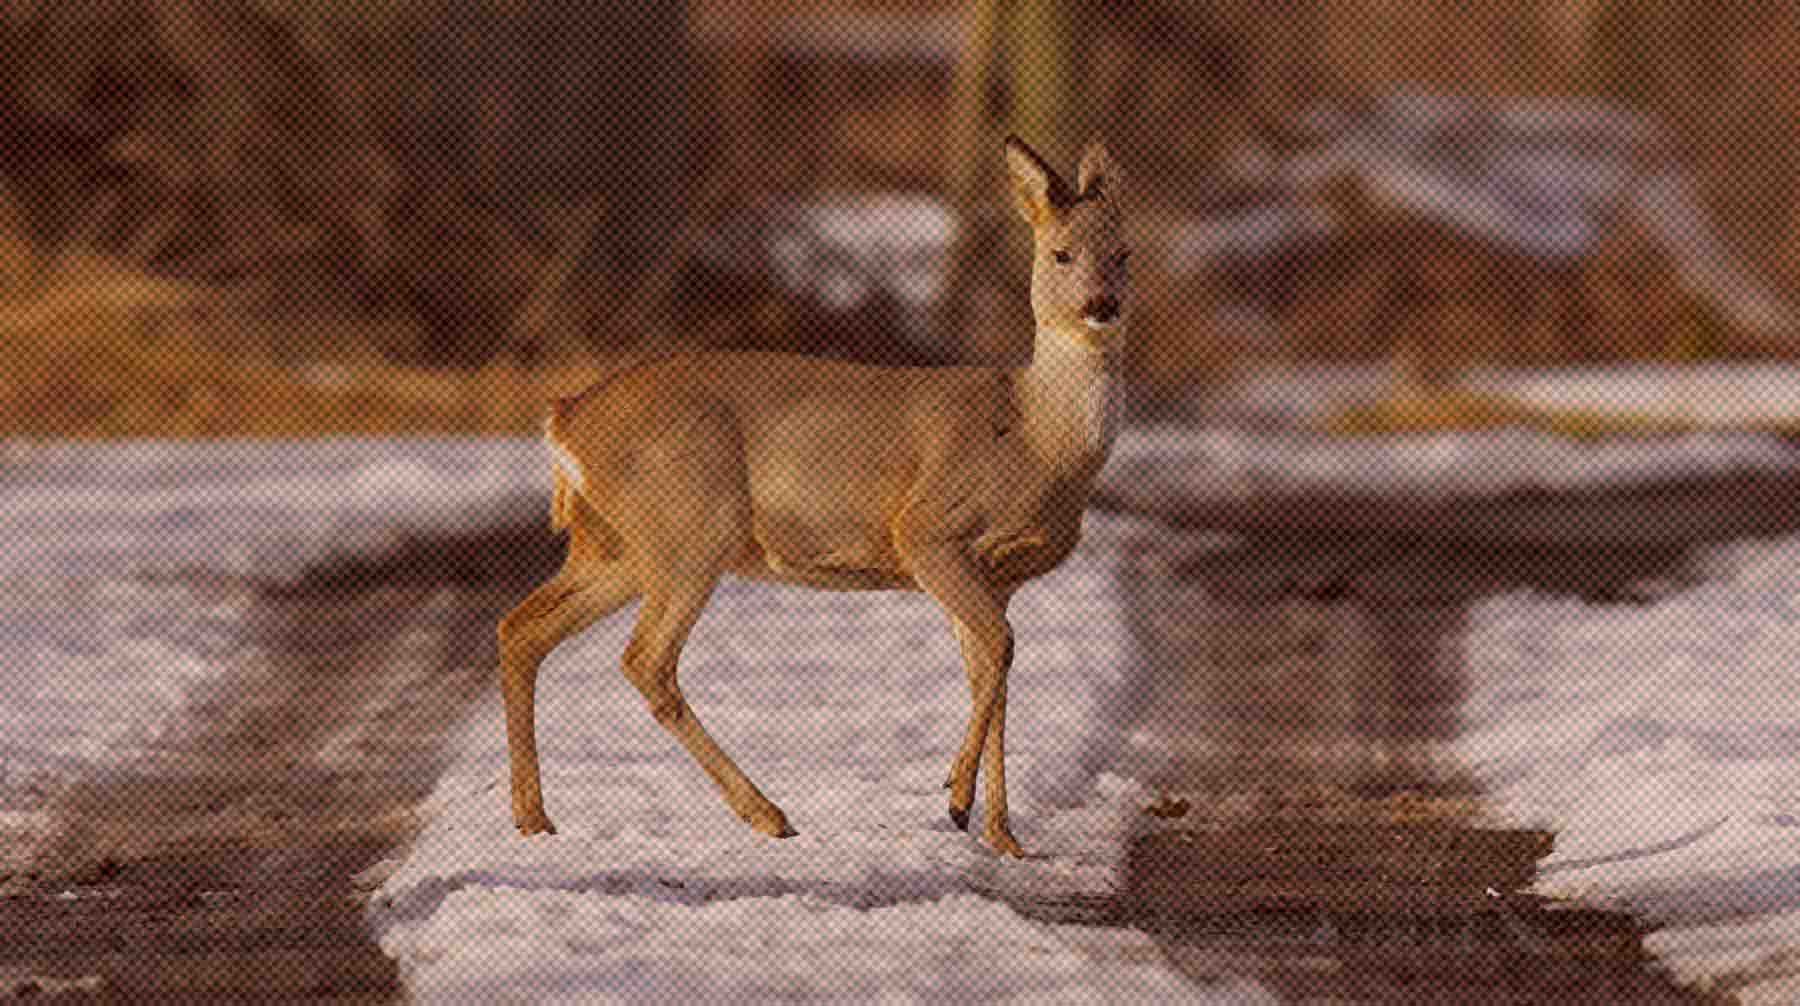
<point>1031,47</point>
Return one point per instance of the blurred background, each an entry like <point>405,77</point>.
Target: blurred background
<point>1327,659</point>
<point>277,217</point>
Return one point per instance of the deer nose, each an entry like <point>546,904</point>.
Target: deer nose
<point>1101,309</point>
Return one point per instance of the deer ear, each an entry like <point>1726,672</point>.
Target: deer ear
<point>1098,174</point>
<point>1036,188</point>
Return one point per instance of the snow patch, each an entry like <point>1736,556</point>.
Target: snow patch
<point>510,945</point>
<point>121,590</point>
<point>1225,463</point>
<point>847,710</point>
<point>268,510</point>
<point>1718,395</point>
<point>1662,744</point>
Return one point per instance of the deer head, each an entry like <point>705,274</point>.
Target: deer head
<point>1079,278</point>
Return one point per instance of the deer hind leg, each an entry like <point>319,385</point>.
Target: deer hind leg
<point>651,663</point>
<point>686,512</point>
<point>575,598</point>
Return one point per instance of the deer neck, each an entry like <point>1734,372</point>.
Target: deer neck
<point>1072,401</point>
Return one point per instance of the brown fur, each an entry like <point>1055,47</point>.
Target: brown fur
<point>963,482</point>
<point>563,500</point>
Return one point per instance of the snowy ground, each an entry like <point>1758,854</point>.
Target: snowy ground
<point>1662,744</point>
<point>1716,395</point>
<point>1711,395</point>
<point>1222,463</point>
<point>124,593</point>
<point>266,510</point>
<point>846,709</point>
<point>125,578</point>
<point>1658,741</point>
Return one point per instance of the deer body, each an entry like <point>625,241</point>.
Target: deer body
<point>963,482</point>
<point>823,498</point>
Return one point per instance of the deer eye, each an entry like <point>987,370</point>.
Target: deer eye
<point>1062,256</point>
<point>1122,257</point>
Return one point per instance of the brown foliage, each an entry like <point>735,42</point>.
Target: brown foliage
<point>412,156</point>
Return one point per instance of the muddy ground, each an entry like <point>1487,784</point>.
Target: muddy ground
<point>1311,831</point>
<point>1302,685</point>
<point>227,870</point>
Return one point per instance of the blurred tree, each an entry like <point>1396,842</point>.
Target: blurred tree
<point>1020,71</point>
<point>505,119</point>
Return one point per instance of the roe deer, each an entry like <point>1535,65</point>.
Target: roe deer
<point>963,482</point>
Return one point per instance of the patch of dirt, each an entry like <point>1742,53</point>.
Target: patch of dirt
<point>1379,912</point>
<point>1313,831</point>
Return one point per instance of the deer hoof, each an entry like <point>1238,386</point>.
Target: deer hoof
<point>1005,844</point>
<point>534,824</point>
<point>960,818</point>
<point>771,822</point>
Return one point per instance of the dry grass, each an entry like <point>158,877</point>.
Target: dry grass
<point>184,390</point>
<point>1414,411</point>
<point>96,351</point>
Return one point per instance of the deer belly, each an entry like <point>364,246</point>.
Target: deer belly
<point>831,555</point>
<point>822,519</point>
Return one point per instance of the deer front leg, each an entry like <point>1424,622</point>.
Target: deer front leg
<point>979,616</point>
<point>996,825</point>
<point>971,657</point>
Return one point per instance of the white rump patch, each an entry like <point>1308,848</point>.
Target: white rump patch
<point>563,460</point>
